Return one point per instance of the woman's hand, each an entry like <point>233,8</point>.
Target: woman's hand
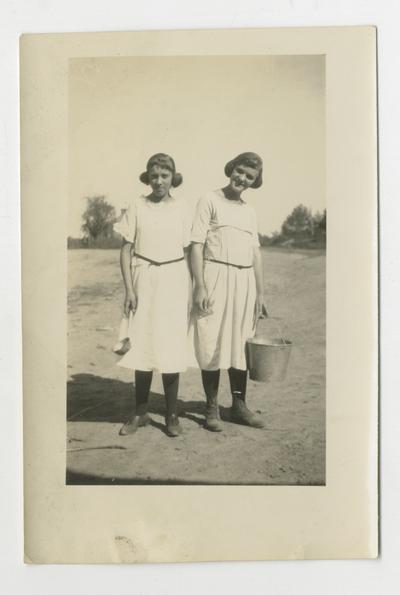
<point>260,309</point>
<point>201,301</point>
<point>130,303</point>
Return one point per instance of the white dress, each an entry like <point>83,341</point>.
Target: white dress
<point>228,230</point>
<point>159,328</point>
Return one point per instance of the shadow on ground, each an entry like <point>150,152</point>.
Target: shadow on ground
<point>74,478</point>
<point>97,399</point>
<point>92,398</point>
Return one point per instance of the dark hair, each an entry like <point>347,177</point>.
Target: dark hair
<point>248,160</point>
<point>166,162</point>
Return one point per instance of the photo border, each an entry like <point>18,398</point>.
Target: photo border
<point>133,523</point>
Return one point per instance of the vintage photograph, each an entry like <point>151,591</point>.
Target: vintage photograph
<point>196,270</point>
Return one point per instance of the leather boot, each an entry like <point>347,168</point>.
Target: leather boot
<point>240,414</point>
<point>213,420</point>
<point>138,419</point>
<point>135,422</point>
<point>173,427</point>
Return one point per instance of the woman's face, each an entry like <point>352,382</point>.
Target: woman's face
<point>243,177</point>
<point>160,180</point>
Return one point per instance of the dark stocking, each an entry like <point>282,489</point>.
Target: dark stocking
<point>171,385</point>
<point>210,379</point>
<point>142,390</point>
<point>238,382</point>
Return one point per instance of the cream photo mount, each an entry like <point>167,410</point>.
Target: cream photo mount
<point>133,524</point>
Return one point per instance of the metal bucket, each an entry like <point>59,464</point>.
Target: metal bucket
<point>268,357</point>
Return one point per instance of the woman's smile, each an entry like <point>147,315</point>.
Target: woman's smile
<point>242,178</point>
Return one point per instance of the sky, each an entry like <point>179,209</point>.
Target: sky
<point>203,111</point>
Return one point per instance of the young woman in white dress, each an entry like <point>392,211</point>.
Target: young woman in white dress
<point>156,236</point>
<point>228,295</point>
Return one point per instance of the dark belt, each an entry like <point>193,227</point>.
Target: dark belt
<point>230,264</point>
<point>156,263</point>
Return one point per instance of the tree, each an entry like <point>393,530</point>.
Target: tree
<point>320,220</point>
<point>320,227</point>
<point>98,218</point>
<point>299,225</point>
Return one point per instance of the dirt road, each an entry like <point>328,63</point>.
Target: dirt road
<point>290,451</point>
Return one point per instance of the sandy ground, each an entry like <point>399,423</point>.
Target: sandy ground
<point>290,450</point>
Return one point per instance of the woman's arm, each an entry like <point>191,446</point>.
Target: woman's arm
<point>200,293</point>
<point>186,254</point>
<point>130,302</point>
<point>260,308</point>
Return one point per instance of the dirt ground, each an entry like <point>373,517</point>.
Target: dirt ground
<point>289,451</point>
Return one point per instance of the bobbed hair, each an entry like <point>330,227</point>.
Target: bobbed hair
<point>166,162</point>
<point>248,160</point>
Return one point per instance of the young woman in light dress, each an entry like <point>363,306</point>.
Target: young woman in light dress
<point>228,293</point>
<point>156,236</point>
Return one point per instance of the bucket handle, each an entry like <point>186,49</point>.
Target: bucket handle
<point>278,326</point>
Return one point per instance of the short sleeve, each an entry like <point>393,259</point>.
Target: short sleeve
<point>254,229</point>
<point>202,219</point>
<point>126,223</point>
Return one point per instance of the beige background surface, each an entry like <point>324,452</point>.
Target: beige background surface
<point>134,524</point>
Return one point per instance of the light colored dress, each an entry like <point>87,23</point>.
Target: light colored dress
<point>158,331</point>
<point>228,229</point>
